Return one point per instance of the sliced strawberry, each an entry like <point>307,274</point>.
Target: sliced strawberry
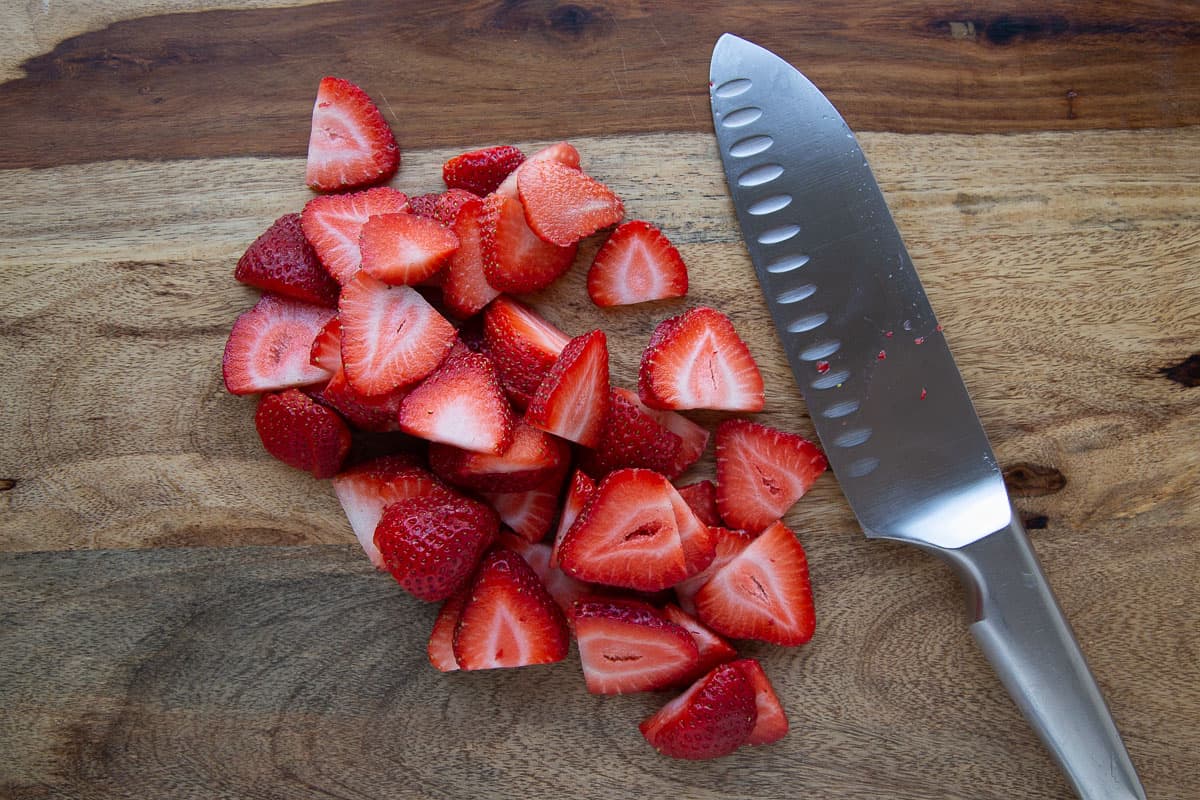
<point>701,496</point>
<point>699,544</point>
<point>562,152</point>
<point>563,205</point>
<point>460,403</point>
<point>368,413</point>
<point>727,543</point>
<point>350,143</point>
<point>712,648</point>
<point>762,472</point>
<point>529,461</point>
<point>282,261</point>
<point>391,337</point>
<point>697,360</point>
<point>530,513</point>
<point>578,491</point>
<point>572,400</point>
<point>636,264</point>
<point>762,593</point>
<point>269,346</point>
<point>424,205</point>
<point>432,544</point>
<point>523,345</point>
<point>510,620</point>
<point>465,290</point>
<point>482,171</point>
<point>302,433</point>
<point>632,438</point>
<point>515,260</point>
<point>326,350</point>
<point>404,249</point>
<point>441,639</point>
<point>714,717</point>
<point>449,203</point>
<point>628,646</point>
<point>333,223</point>
<point>771,722</point>
<point>562,587</point>
<point>693,437</point>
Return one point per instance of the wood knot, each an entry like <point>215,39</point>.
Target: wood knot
<point>1035,522</point>
<point>1033,480</point>
<point>7,483</point>
<point>565,21</point>
<point>1185,373</point>
<point>1006,29</point>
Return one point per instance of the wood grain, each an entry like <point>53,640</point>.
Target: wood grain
<point>240,81</point>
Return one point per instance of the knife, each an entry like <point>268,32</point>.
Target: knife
<point>886,398</point>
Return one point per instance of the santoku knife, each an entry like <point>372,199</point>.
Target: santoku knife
<point>886,397</point>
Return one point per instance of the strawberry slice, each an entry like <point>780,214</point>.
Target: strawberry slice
<point>727,544</point>
<point>627,646</point>
<point>326,350</point>
<point>441,639</point>
<point>635,265</point>
<point>701,496</point>
<point>523,345</point>
<point>693,437</point>
<point>771,722</point>
<point>465,290</point>
<point>515,260</point>
<point>697,360</point>
<point>699,544</point>
<point>578,491</point>
<point>404,249</point>
<point>563,205</point>
<point>302,433</point>
<point>714,717</point>
<point>509,620</point>
<point>572,400</point>
<point>350,143</point>
<point>269,346</point>
<point>377,413</point>
<point>282,261</point>
<point>529,461</point>
<point>391,337</point>
<point>432,544</point>
<point>482,171</point>
<point>562,587</point>
<point>762,472</point>
<point>333,224</point>
<point>530,513</point>
<point>632,438</point>
<point>562,152</point>
<point>712,649</point>
<point>447,205</point>
<point>762,593</point>
<point>460,403</point>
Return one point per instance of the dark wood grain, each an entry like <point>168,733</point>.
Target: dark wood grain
<point>241,82</point>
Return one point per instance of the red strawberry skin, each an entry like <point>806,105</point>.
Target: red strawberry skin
<point>282,261</point>
<point>712,718</point>
<point>771,723</point>
<point>572,400</point>
<point>515,259</point>
<point>635,265</point>
<point>333,225</point>
<point>465,290</point>
<point>701,496</point>
<point>530,459</point>
<point>350,143</point>
<point>270,346</point>
<point>713,650</point>
<point>376,414</point>
<point>579,490</point>
<point>302,433</point>
<point>523,345</point>
<point>762,472</point>
<point>631,438</point>
<point>563,205</point>
<point>482,171</point>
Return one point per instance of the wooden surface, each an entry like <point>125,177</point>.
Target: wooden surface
<point>181,616</point>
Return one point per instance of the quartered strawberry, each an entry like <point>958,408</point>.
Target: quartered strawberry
<point>302,433</point>
<point>562,152</point>
<point>367,413</point>
<point>636,264</point>
<point>693,438</point>
<point>771,722</point>
<point>563,205</point>
<point>460,403</point>
<point>762,472</point>
<point>465,290</point>
<point>572,400</point>
<point>530,513</point>
<point>515,260</point>
<point>432,544</point>
<point>282,261</point>
<point>699,544</point>
<point>727,543</point>
<point>333,224</point>
<point>562,587</point>
<point>530,459</point>
<point>701,496</point>
<point>522,344</point>
<point>270,345</point>
<point>712,649</point>
<point>482,171</point>
<point>632,438</point>
<point>762,593</point>
<point>391,337</point>
<point>441,639</point>
<point>579,489</point>
<point>404,249</point>
<point>714,717</point>
<point>509,620</point>
<point>697,360</point>
<point>628,646</point>
<point>350,143</point>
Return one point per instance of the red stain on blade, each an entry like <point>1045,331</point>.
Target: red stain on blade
<point>822,367</point>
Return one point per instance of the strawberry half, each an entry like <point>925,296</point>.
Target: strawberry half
<point>282,261</point>
<point>697,360</point>
<point>460,403</point>
<point>350,143</point>
<point>578,491</point>
<point>701,497</point>
<point>771,722</point>
<point>712,649</point>
<point>391,337</point>
<point>762,593</point>
<point>714,717</point>
<point>465,290</point>
<point>530,513</point>
<point>635,265</point>
<point>627,646</point>
<point>522,344</point>
<point>762,472</point>
<point>509,620</point>
<point>270,345</point>
<point>572,400</point>
<point>441,639</point>
<point>333,224</point>
<point>482,171</point>
<point>632,438</point>
<point>515,260</point>
<point>563,205</point>
<point>302,433</point>
<point>530,459</point>
<point>404,249</point>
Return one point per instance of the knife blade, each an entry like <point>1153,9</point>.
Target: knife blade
<point>886,397</point>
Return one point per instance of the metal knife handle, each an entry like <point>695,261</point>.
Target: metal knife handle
<point>1022,631</point>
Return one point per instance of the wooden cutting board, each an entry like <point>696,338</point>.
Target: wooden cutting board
<point>181,616</point>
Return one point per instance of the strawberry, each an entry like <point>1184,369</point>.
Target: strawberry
<point>727,543</point>
<point>572,400</point>
<point>771,722</point>
<point>693,437</point>
<point>447,205</point>
<point>424,205</point>
<point>578,491</point>
<point>636,264</point>
<point>404,249</point>
<point>282,261</point>
<point>391,337</point>
<point>350,144</point>
<point>333,224</point>
<point>628,646</point>
<point>432,544</point>
<point>326,350</point>
<point>523,345</point>
<point>530,513</point>
<point>701,496</point>
<point>714,717</point>
<point>465,290</point>
<point>712,649</point>
<point>482,171</point>
<point>515,260</point>
<point>302,433</point>
<point>631,438</point>
<point>563,205</point>
<point>269,346</point>
<point>562,152</point>
<point>529,461</point>
<point>460,403</point>
<point>441,639</point>
<point>697,360</point>
<point>762,472</point>
<point>364,490</point>
<point>509,619</point>
<point>699,544</point>
<point>562,587</point>
<point>377,413</point>
<point>762,593</point>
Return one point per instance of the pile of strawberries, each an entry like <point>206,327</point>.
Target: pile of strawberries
<point>534,499</point>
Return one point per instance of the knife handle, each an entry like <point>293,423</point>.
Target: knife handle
<point>1022,631</point>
